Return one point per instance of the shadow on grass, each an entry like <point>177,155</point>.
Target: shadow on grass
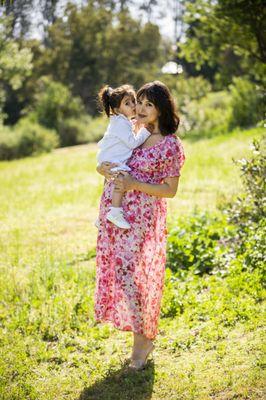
<point>124,384</point>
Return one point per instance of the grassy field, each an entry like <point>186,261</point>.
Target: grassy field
<point>50,345</point>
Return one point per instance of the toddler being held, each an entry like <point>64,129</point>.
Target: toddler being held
<point>119,140</point>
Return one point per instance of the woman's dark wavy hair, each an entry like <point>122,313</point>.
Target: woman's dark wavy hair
<point>158,94</point>
<point>110,99</point>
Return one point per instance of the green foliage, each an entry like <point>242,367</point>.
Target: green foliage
<point>205,113</point>
<point>250,206</point>
<point>212,299</point>
<point>15,64</point>
<point>16,369</point>
<point>248,211</point>
<point>246,103</point>
<point>221,28</point>
<point>26,139</point>
<point>56,108</point>
<point>73,131</point>
<point>197,244</point>
<point>208,116</point>
<point>96,128</point>
<point>94,46</point>
<point>83,130</point>
<point>230,248</point>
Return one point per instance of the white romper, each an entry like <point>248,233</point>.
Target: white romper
<point>119,141</point>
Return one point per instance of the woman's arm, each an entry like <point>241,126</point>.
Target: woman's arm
<point>166,189</point>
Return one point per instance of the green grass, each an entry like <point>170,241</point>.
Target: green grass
<point>50,345</point>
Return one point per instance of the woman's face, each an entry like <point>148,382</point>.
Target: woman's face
<point>146,112</point>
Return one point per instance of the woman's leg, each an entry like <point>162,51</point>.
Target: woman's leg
<point>141,347</point>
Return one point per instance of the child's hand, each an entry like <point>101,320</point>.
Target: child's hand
<point>149,127</point>
<point>137,125</point>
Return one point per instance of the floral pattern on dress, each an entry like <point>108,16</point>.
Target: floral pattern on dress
<point>130,264</point>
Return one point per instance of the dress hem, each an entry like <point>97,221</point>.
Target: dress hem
<point>106,320</point>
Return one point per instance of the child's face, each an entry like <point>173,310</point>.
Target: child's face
<point>146,111</point>
<point>128,106</point>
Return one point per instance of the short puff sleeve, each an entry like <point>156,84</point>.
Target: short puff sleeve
<point>174,158</point>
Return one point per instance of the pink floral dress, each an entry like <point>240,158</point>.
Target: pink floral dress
<point>130,264</point>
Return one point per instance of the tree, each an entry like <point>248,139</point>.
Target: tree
<point>15,65</point>
<point>94,46</point>
<point>23,14</point>
<point>223,27</point>
<point>148,7</point>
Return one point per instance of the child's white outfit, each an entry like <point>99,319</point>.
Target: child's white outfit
<point>117,146</point>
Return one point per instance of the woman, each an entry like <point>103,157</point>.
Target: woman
<point>130,264</point>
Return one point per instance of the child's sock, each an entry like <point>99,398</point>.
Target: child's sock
<point>116,210</point>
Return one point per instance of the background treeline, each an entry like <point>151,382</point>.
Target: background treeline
<point>48,86</point>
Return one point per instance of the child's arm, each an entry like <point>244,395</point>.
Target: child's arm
<point>124,131</point>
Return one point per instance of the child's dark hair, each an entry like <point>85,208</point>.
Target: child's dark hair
<point>159,94</point>
<point>110,99</point>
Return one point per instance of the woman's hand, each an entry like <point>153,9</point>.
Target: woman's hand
<point>105,170</point>
<point>124,182</point>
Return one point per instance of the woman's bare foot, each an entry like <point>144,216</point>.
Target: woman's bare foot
<point>141,349</point>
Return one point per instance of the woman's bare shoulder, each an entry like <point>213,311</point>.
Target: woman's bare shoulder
<point>152,140</point>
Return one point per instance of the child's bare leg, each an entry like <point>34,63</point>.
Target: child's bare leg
<point>117,198</point>
<point>115,214</point>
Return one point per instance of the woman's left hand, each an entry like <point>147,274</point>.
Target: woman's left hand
<point>124,182</point>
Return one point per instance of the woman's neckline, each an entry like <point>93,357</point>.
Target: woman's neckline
<point>150,147</point>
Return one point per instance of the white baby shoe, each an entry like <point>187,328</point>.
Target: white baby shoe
<point>115,215</point>
<point>97,223</point>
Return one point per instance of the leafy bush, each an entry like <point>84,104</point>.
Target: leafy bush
<point>56,108</point>
<point>96,128</point>
<point>208,116</point>
<point>248,211</point>
<point>212,301</point>
<point>187,89</point>
<point>84,130</point>
<point>210,244</point>
<point>198,243</point>
<point>73,131</point>
<point>206,113</point>
<point>246,103</point>
<point>9,143</point>
<point>27,138</point>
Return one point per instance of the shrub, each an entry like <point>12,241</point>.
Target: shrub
<point>9,143</point>
<point>248,211</point>
<point>96,128</point>
<point>55,104</point>
<point>27,138</point>
<point>246,103</point>
<point>198,244</point>
<point>73,131</point>
<point>208,116</point>
<point>84,130</point>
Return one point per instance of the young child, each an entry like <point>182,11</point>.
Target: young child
<point>119,140</point>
